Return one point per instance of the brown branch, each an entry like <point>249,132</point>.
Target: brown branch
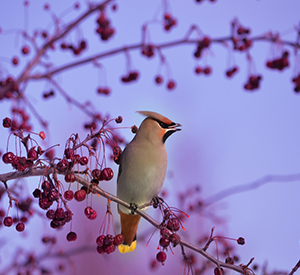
<point>158,46</point>
<point>295,268</point>
<point>98,190</point>
<point>24,76</point>
<point>250,186</point>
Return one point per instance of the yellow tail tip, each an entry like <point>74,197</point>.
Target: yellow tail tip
<point>123,248</point>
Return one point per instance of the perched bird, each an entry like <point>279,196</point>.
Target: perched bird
<point>142,171</point>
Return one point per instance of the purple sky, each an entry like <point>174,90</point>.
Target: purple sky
<point>230,137</point>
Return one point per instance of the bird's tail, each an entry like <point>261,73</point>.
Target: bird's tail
<point>129,224</point>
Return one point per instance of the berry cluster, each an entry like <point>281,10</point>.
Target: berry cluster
<point>108,243</point>
<point>279,63</point>
<point>296,80</point>
<point>253,82</point>
<point>8,221</point>
<point>204,43</point>
<point>103,91</point>
<point>148,50</point>
<point>22,163</point>
<point>131,76</point>
<point>171,84</point>
<point>169,21</point>
<point>168,236</point>
<point>66,164</point>
<point>241,42</point>
<point>104,174</point>
<point>206,70</point>
<point>104,28</point>
<point>11,87</point>
<point>76,50</point>
<point>59,217</point>
<point>232,71</point>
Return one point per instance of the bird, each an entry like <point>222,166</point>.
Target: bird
<point>142,171</point>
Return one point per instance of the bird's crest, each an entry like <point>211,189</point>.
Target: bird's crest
<point>156,116</point>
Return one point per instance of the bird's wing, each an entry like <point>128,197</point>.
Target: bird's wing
<point>120,165</point>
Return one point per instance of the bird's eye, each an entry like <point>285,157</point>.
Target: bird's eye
<point>163,125</point>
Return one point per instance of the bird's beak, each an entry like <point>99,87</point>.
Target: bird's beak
<point>170,130</point>
<point>175,127</point>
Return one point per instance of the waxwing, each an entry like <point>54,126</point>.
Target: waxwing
<point>142,171</point>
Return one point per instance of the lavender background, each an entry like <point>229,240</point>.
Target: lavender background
<point>230,137</point>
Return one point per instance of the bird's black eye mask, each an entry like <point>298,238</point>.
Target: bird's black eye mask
<point>164,125</point>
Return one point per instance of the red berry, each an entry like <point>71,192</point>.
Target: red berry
<point>8,221</point>
<point>47,186</point>
<point>164,242</point>
<point>119,119</point>
<point>175,239</point>
<point>229,260</point>
<point>69,153</point>
<point>32,154</point>
<point>173,224</point>
<point>118,239</point>
<point>108,240</point>
<point>83,161</point>
<point>158,79</point>
<point>59,213</point>
<point>69,195</point>
<point>8,157</point>
<point>15,61</point>
<point>134,129</point>
<point>62,166</point>
<point>109,249</point>
<point>167,16</point>
<point>70,177</point>
<point>106,174</point>
<point>165,233</point>
<point>240,30</point>
<point>100,240</point>
<point>206,41</point>
<point>207,70</point>
<point>6,122</point>
<point>20,227</point>
<point>96,173</point>
<point>25,50</point>
<point>198,70</point>
<point>100,250</point>
<point>80,195</point>
<point>218,271</point>
<point>161,256</point>
<point>241,241</point>
<point>90,213</point>
<point>72,236</point>
<point>50,214</point>
<point>171,85</point>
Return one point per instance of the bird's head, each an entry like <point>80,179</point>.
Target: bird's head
<point>156,127</point>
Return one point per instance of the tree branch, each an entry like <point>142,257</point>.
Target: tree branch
<point>101,192</point>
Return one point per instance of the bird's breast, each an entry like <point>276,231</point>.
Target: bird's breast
<point>143,173</point>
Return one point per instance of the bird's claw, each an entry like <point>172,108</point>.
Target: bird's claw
<point>133,207</point>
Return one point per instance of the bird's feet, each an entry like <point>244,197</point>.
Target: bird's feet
<point>133,207</point>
